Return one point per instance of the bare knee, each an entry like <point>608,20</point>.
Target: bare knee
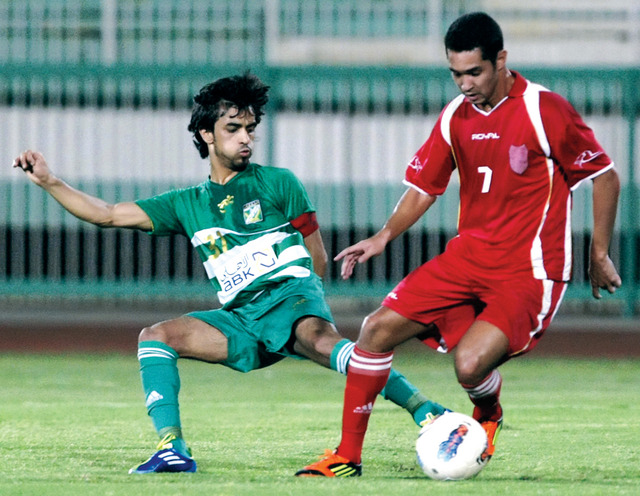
<point>469,367</point>
<point>159,332</point>
<point>480,350</point>
<point>384,329</point>
<point>315,339</point>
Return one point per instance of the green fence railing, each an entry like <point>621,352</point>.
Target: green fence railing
<point>43,250</point>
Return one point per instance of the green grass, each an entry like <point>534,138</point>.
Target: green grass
<point>74,425</point>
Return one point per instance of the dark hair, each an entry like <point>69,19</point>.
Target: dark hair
<point>245,92</point>
<point>475,30</point>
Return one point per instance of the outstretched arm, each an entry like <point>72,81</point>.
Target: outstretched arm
<point>82,205</point>
<point>602,272</point>
<point>411,206</point>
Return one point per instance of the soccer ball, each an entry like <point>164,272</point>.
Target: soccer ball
<point>451,447</point>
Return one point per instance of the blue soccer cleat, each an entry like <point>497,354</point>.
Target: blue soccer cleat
<point>166,459</point>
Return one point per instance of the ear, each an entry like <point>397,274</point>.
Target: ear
<point>207,136</point>
<point>501,60</point>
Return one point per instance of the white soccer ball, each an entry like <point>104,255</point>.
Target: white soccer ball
<point>451,447</point>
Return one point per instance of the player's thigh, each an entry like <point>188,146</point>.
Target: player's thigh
<point>191,338</point>
<point>482,348</point>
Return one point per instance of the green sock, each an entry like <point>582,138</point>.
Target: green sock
<point>397,390</point>
<point>161,384</point>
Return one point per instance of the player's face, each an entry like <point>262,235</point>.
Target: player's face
<point>233,137</point>
<point>478,79</point>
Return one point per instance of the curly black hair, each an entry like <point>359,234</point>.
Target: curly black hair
<point>475,30</point>
<point>245,92</point>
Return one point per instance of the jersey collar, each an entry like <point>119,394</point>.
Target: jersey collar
<point>519,85</point>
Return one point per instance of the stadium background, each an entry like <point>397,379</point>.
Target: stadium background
<point>104,87</point>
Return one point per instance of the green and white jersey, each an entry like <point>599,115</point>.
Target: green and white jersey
<point>241,229</point>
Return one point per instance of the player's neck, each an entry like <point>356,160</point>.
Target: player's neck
<point>506,79</point>
<point>221,175</point>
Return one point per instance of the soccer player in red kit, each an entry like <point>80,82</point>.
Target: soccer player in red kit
<point>520,150</point>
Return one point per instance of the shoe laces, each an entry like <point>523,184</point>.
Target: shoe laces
<point>165,442</point>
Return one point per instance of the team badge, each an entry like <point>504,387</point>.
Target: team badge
<point>252,212</point>
<point>518,158</point>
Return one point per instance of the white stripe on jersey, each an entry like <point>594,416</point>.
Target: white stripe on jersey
<point>568,243</point>
<point>531,99</point>
<point>445,122</point>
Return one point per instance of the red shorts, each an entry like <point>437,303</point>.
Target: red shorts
<point>451,292</point>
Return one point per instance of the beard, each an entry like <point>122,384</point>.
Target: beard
<point>239,165</point>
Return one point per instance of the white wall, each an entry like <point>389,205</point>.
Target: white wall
<point>148,145</point>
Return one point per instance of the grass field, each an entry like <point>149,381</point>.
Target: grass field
<point>74,424</point>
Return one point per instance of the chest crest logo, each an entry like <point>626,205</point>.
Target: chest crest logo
<point>225,203</point>
<point>518,158</point>
<point>252,212</point>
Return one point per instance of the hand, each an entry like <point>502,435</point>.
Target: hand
<point>35,166</point>
<point>359,253</point>
<point>603,275</point>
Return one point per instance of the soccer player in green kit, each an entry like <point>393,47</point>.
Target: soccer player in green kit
<point>257,235</point>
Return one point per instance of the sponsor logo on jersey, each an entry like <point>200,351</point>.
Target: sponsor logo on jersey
<point>225,203</point>
<point>484,136</point>
<point>585,157</point>
<point>252,212</point>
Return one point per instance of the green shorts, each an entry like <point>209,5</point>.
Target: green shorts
<point>260,332</point>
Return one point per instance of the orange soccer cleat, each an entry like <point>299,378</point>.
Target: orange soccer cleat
<point>331,465</point>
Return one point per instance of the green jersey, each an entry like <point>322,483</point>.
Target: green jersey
<point>241,230</point>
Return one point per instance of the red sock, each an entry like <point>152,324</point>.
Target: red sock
<point>367,375</point>
<point>486,397</point>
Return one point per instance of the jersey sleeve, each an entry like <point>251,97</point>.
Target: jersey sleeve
<point>292,196</point>
<point>430,168</point>
<point>162,212</point>
<point>572,143</point>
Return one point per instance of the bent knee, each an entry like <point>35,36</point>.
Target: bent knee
<point>158,332</point>
<point>316,337</point>
<point>471,367</point>
<point>376,333</point>
<point>468,370</point>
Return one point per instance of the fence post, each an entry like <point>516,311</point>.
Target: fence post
<point>629,209</point>
<point>108,26</point>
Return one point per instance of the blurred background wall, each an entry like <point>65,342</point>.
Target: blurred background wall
<point>103,88</point>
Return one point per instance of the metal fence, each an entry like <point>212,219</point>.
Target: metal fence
<point>104,88</point>
<point>120,133</point>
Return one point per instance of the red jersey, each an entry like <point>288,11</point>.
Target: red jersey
<point>518,164</point>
